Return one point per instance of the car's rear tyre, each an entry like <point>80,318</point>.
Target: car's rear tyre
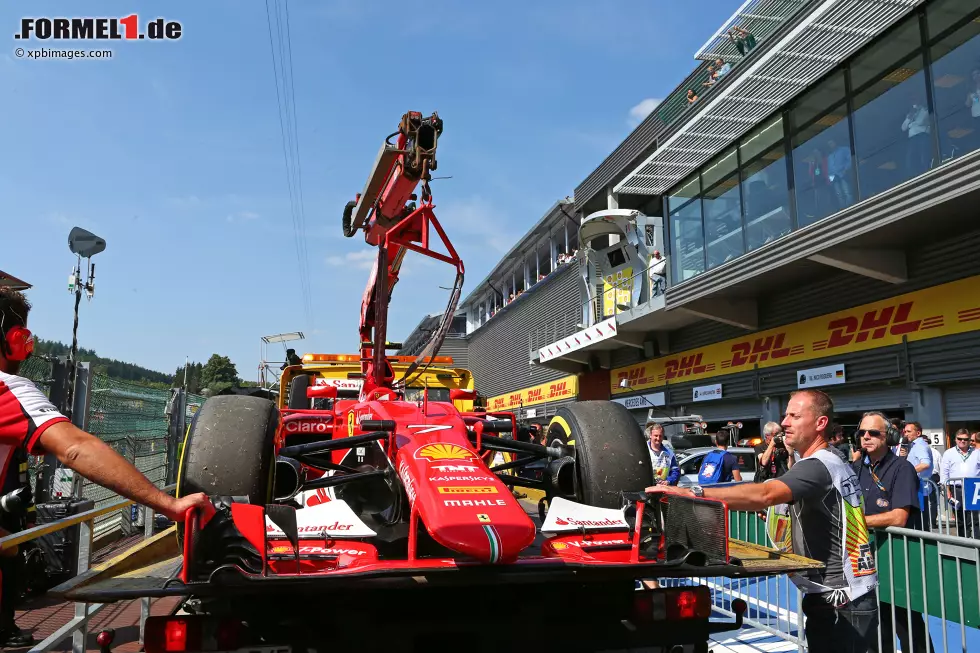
<point>297,393</point>
<point>229,449</point>
<point>610,452</point>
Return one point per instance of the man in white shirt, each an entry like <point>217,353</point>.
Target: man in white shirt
<point>658,272</point>
<point>961,461</point>
<point>918,124</point>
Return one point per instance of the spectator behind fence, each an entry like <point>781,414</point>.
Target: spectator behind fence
<point>665,468</point>
<point>891,498</point>
<point>774,455</point>
<point>918,452</point>
<point>29,420</point>
<point>719,466</point>
<point>961,461</point>
<point>828,525</point>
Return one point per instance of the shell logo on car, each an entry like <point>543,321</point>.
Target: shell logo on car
<point>443,451</point>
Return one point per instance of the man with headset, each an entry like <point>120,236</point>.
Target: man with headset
<point>29,420</point>
<point>891,498</point>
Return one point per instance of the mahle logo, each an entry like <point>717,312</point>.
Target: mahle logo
<point>98,29</point>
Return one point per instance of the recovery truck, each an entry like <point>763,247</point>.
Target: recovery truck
<point>379,521</point>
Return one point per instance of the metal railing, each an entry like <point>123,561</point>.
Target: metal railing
<point>927,591</point>
<point>77,628</point>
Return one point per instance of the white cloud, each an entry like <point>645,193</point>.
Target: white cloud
<point>478,222</point>
<point>642,110</point>
<point>361,260</point>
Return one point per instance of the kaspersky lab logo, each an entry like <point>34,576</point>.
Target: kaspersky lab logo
<point>98,29</point>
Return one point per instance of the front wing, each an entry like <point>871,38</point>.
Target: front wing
<point>238,552</point>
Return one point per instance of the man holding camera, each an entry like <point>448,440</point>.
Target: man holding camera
<point>774,457</point>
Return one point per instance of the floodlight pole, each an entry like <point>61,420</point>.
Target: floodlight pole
<point>74,339</point>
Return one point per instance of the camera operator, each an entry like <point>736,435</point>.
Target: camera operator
<point>775,458</point>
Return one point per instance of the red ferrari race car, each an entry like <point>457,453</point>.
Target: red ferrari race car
<point>376,521</point>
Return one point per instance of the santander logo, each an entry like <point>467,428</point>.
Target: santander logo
<point>568,521</point>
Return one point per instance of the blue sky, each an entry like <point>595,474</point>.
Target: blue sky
<point>172,152</point>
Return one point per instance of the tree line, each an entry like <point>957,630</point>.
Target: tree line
<point>217,374</point>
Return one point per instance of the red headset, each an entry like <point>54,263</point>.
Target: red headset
<point>19,343</point>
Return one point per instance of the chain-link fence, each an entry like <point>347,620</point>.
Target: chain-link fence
<point>138,422</point>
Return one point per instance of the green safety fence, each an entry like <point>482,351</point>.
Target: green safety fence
<point>931,573</point>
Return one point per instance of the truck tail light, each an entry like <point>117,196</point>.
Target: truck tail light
<point>185,633</point>
<point>672,604</point>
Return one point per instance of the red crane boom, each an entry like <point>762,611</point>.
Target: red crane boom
<point>386,211</point>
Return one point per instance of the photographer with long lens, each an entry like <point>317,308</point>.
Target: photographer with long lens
<point>775,458</point>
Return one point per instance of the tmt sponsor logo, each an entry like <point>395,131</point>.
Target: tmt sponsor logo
<point>685,366</point>
<point>473,503</point>
<point>454,468</point>
<point>873,325</point>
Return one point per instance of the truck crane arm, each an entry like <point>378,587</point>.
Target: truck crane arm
<point>387,212</point>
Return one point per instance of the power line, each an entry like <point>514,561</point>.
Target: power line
<point>290,152</point>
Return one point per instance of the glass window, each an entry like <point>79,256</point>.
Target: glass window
<point>956,81</point>
<point>766,197</point>
<point>718,169</point>
<point>893,129</point>
<point>895,46</point>
<point>943,14</point>
<point>815,103</point>
<point>687,236</point>
<point>823,173</point>
<point>723,221</point>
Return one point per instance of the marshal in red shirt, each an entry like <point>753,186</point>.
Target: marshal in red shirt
<point>25,413</point>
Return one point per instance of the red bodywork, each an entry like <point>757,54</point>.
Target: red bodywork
<point>434,449</point>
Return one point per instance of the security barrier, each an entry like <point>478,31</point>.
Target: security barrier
<point>928,584</point>
<point>77,628</point>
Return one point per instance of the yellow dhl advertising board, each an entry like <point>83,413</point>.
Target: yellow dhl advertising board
<point>616,289</point>
<point>930,313</point>
<point>539,394</point>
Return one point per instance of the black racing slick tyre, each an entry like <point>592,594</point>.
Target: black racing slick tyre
<point>297,393</point>
<point>229,450</point>
<point>610,452</point>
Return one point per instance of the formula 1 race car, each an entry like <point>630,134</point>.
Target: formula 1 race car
<point>336,493</point>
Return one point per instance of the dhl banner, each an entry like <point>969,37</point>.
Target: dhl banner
<point>539,394</point>
<point>930,313</point>
<point>616,290</point>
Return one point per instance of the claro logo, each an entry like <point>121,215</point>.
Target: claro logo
<point>307,426</point>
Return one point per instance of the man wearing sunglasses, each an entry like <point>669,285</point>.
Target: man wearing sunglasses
<point>959,462</point>
<point>891,488</point>
<point>828,525</point>
<point>29,420</point>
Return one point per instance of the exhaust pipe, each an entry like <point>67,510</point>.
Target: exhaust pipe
<point>289,478</point>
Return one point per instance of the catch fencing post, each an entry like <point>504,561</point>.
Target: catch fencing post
<point>60,375</point>
<point>82,400</point>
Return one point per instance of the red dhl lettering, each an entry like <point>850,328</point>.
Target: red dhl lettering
<point>534,395</point>
<point>514,399</point>
<point>685,366</point>
<point>558,389</point>
<point>873,325</point>
<point>758,350</point>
